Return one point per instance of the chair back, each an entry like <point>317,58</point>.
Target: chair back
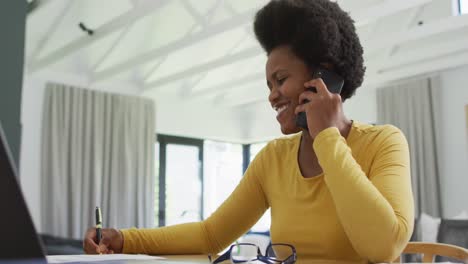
<point>430,250</point>
<point>453,232</point>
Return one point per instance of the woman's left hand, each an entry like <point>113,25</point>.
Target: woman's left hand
<point>323,110</point>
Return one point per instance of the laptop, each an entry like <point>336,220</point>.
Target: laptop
<point>19,242</point>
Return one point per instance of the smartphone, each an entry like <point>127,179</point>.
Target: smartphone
<point>334,83</point>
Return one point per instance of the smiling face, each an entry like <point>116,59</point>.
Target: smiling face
<point>286,75</point>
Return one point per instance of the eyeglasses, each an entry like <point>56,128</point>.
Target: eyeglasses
<point>247,253</point>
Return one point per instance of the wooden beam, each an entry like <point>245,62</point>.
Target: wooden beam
<point>51,31</point>
<point>111,48</point>
<point>154,68</point>
<point>426,53</point>
<point>249,102</point>
<point>418,32</point>
<point>110,27</point>
<point>426,67</point>
<point>39,4</point>
<point>205,67</point>
<point>190,85</point>
<point>184,42</point>
<point>236,21</point>
<point>390,6</point>
<point>387,8</point>
<point>194,13</point>
<point>209,16</point>
<point>248,29</point>
<point>421,68</point>
<point>388,52</point>
<point>228,85</point>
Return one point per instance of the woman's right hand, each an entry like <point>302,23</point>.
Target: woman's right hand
<point>111,241</point>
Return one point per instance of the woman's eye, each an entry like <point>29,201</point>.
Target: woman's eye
<point>281,81</point>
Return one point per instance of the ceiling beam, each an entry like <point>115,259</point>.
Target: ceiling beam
<point>256,91</point>
<point>184,42</point>
<point>228,85</point>
<point>418,32</point>
<point>209,16</point>
<point>233,12</point>
<point>50,32</point>
<point>236,21</point>
<point>389,51</point>
<point>194,13</point>
<point>36,5</point>
<point>113,46</point>
<point>427,60</point>
<point>441,63</point>
<point>424,53</point>
<point>154,68</point>
<point>189,85</point>
<point>387,8</point>
<point>395,6</point>
<point>249,101</point>
<point>205,67</point>
<point>108,28</point>
<point>397,75</point>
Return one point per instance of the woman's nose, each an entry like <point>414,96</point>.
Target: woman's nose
<point>274,94</point>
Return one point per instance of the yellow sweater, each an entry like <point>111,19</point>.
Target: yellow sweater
<point>359,209</point>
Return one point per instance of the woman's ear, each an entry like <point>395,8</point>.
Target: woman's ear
<point>327,66</point>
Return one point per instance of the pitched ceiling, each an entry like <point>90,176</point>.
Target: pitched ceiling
<point>202,54</point>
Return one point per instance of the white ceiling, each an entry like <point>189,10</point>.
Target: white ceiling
<point>201,63</point>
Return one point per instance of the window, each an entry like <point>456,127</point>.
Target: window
<point>194,177</point>
<point>463,6</point>
<point>183,184</point>
<point>156,184</point>
<point>255,149</point>
<point>264,223</point>
<point>180,180</point>
<point>222,172</point>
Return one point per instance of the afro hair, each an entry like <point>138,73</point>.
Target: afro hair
<point>317,31</point>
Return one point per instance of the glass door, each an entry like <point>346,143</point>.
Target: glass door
<point>181,180</point>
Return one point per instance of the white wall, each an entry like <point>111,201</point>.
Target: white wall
<point>199,121</point>
<point>31,119</point>
<point>453,133</point>
<point>253,124</point>
<point>31,106</point>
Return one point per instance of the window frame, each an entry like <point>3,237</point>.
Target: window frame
<point>459,6</point>
<point>164,140</point>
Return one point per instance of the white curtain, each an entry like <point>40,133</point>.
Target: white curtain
<point>97,150</point>
<point>412,107</point>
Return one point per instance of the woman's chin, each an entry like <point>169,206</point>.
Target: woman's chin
<point>289,129</point>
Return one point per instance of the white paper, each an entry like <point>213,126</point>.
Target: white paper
<point>97,258</point>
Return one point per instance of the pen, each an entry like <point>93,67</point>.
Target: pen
<point>98,224</point>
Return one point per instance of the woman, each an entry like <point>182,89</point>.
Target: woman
<point>338,190</point>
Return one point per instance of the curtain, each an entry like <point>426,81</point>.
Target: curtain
<point>466,120</point>
<point>411,107</point>
<point>97,150</point>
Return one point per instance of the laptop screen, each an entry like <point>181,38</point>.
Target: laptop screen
<point>18,238</point>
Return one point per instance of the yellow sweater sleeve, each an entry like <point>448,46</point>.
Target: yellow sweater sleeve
<point>375,210</point>
<point>241,210</point>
